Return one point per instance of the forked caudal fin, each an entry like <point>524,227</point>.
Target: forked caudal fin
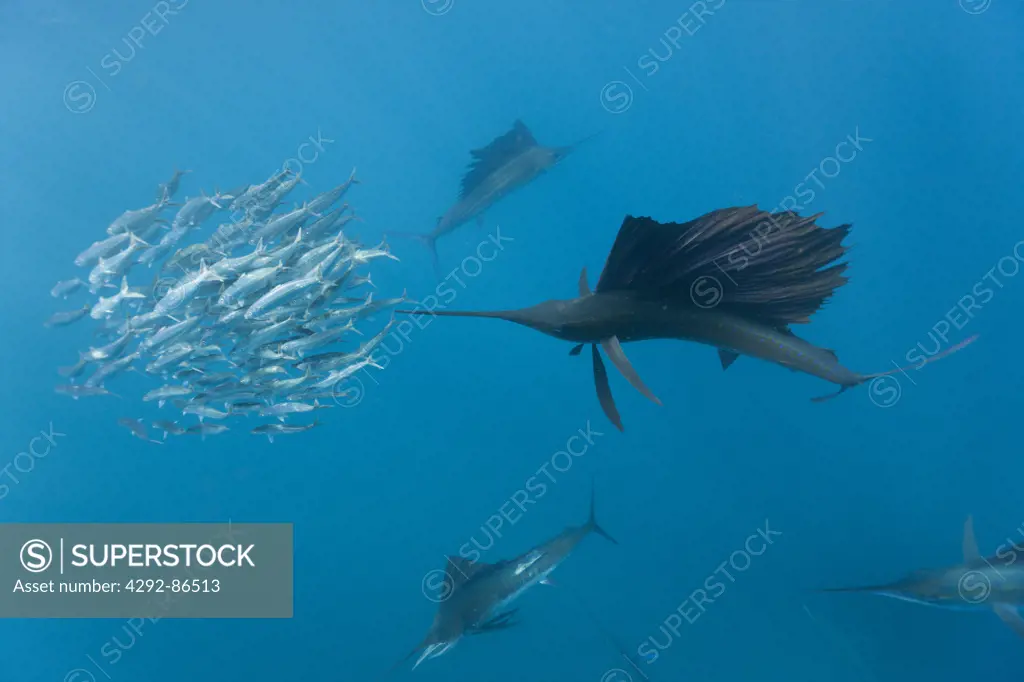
<point>428,240</point>
<point>906,368</point>
<point>592,525</point>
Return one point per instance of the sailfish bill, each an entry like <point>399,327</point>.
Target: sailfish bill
<point>995,583</point>
<point>647,291</point>
<point>509,162</point>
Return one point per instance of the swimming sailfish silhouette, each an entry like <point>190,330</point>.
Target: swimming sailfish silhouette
<point>511,161</point>
<point>656,281</point>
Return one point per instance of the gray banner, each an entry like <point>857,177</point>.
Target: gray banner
<point>152,570</point>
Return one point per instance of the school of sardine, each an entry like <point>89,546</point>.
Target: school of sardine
<point>244,323</point>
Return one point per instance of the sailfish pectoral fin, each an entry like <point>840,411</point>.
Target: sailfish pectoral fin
<point>576,349</point>
<point>615,353</point>
<point>830,396</point>
<point>604,390</point>
<point>502,621</point>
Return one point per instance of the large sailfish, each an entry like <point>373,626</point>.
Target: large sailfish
<point>509,162</point>
<point>735,278</point>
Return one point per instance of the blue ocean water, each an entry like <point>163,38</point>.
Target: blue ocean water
<point>700,106</point>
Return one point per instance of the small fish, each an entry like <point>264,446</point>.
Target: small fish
<point>288,385</point>
<point>106,306</point>
<point>282,292</point>
<point>75,370</point>
<point>77,391</point>
<point>170,333</point>
<point>162,394</point>
<point>138,429</point>
<point>102,249</point>
<point>64,318</point>
<point>66,287</point>
<point>271,430</point>
<point>166,190</point>
<point>134,221</point>
<point>361,256</point>
<point>281,224</point>
<point>117,265</point>
<point>169,428</point>
<point>246,407</point>
<point>204,411</point>
<point>187,373</point>
<point>110,369</point>
<point>360,281</point>
<point>340,375</point>
<point>249,283</point>
<point>196,210</point>
<point>190,256</point>
<point>170,356</point>
<point>257,375</point>
<point>325,200</point>
<point>204,430</point>
<point>186,289</point>
<point>112,349</point>
<point>280,410</point>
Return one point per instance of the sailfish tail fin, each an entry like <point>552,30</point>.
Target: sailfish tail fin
<point>935,358</point>
<point>592,525</point>
<point>774,268</point>
<point>428,240</point>
<point>864,378</point>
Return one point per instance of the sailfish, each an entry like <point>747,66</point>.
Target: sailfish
<point>476,595</point>
<point>509,162</point>
<point>979,583</point>
<point>656,284</point>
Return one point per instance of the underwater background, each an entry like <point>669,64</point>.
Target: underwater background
<point>740,109</point>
